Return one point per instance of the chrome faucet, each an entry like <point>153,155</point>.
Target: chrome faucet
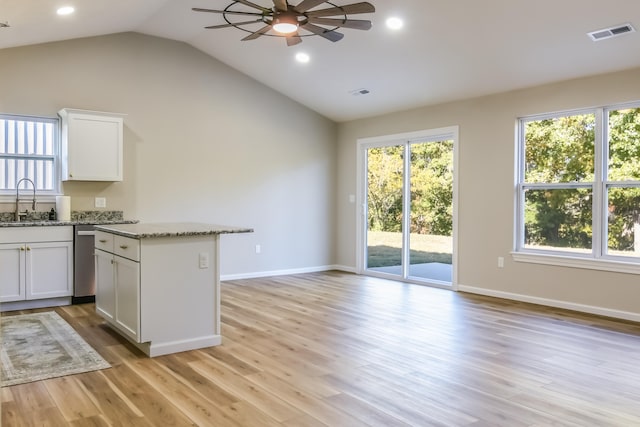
<point>33,204</point>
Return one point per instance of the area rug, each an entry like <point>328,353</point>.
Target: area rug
<point>38,346</point>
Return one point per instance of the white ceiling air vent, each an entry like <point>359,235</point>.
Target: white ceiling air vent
<point>607,33</point>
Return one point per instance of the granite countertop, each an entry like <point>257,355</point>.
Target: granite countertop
<point>49,223</point>
<point>39,219</point>
<point>176,229</point>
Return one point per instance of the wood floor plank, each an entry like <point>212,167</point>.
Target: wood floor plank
<point>337,349</point>
<point>166,382</point>
<point>71,398</point>
<point>6,395</point>
<point>239,386</point>
<point>93,421</point>
<point>11,415</point>
<point>364,411</point>
<point>155,407</point>
<point>311,405</point>
<point>301,380</point>
<point>114,404</point>
<point>179,365</point>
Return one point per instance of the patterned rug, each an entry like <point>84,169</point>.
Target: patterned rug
<point>42,345</point>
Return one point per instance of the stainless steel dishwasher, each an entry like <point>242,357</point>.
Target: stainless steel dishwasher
<point>84,274</point>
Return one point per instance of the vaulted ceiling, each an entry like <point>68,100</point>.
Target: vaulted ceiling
<point>447,50</point>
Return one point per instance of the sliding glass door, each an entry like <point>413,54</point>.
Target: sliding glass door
<point>408,196</point>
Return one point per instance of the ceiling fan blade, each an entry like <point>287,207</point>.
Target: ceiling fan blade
<point>355,24</point>
<point>258,33</point>
<point>212,27</point>
<point>281,4</point>
<point>253,5</point>
<point>333,36</point>
<point>294,39</point>
<point>307,4</point>
<point>349,9</point>
<point>227,12</point>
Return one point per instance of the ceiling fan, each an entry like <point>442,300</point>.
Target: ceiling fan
<point>285,20</point>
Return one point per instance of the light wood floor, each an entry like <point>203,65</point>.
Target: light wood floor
<point>335,349</point>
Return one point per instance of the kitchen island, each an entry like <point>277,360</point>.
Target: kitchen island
<point>158,284</point>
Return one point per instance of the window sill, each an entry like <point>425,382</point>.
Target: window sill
<point>628,267</point>
<point>24,198</point>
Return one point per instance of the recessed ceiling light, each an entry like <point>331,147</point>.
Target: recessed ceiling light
<point>302,57</point>
<point>66,10</point>
<point>394,23</point>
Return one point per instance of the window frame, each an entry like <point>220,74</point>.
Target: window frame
<point>8,196</point>
<point>598,258</point>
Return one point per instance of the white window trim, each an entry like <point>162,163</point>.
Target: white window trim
<point>596,259</point>
<point>9,196</point>
<point>575,261</point>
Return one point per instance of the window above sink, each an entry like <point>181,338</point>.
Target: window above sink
<point>29,148</point>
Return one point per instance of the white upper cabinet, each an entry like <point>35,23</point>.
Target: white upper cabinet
<point>91,145</point>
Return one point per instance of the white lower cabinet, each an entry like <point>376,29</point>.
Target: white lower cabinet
<point>36,264</point>
<point>105,289</point>
<point>118,292</point>
<point>13,266</point>
<point>127,285</point>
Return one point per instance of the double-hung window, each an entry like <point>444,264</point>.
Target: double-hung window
<point>578,189</point>
<point>28,149</point>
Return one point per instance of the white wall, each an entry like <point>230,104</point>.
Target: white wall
<point>203,143</point>
<point>486,192</point>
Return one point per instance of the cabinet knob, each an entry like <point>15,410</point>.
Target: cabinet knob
<point>111,261</point>
<point>28,248</point>
<point>22,248</point>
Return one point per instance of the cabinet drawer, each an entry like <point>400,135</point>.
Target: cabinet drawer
<point>127,247</point>
<point>104,241</point>
<point>36,234</point>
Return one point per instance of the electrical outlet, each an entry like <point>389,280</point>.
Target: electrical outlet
<point>203,260</point>
<point>258,249</point>
<point>500,262</point>
<point>101,202</point>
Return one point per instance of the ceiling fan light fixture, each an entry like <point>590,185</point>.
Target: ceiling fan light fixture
<point>285,23</point>
<point>287,20</point>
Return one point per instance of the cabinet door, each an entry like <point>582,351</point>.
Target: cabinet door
<point>127,282</point>
<point>93,145</point>
<point>12,259</point>
<point>105,287</point>
<point>49,270</point>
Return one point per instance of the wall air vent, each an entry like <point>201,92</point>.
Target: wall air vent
<point>358,92</point>
<point>607,33</point>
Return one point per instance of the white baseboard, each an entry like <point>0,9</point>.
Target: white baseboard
<point>259,274</point>
<point>35,303</point>
<point>160,349</point>
<point>601,311</point>
<point>344,268</point>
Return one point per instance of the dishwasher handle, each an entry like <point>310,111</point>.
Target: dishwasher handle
<point>86,233</point>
